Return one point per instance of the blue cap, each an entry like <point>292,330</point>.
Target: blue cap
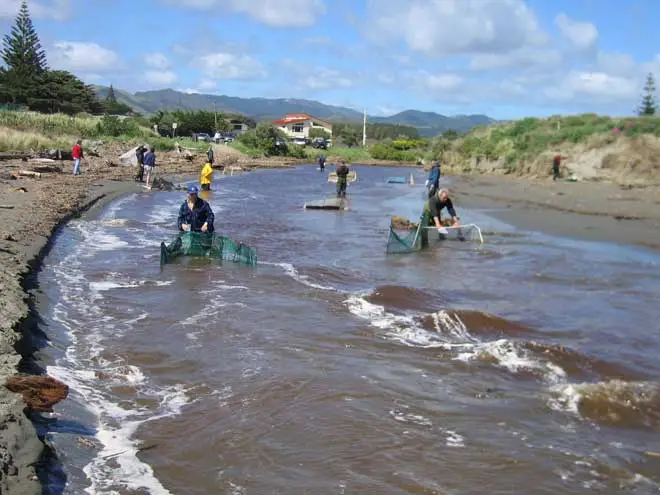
<point>193,190</point>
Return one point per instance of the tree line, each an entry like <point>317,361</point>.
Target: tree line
<point>192,121</point>
<point>26,81</point>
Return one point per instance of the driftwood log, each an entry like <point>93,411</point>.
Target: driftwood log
<point>14,156</point>
<point>29,173</point>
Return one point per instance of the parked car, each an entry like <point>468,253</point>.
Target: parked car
<point>320,143</point>
<point>299,141</point>
<point>203,136</point>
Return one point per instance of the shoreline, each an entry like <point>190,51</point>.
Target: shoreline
<point>585,211</point>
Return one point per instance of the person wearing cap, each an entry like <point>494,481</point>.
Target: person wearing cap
<point>195,214</point>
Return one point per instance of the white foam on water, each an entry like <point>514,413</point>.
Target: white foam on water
<point>416,419</point>
<point>91,374</point>
<point>291,270</point>
<point>451,335</point>
<point>454,439</point>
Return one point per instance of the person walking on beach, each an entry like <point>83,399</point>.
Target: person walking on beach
<point>209,155</point>
<point>342,179</point>
<point>77,155</point>
<point>139,155</point>
<point>556,161</point>
<point>433,181</point>
<point>149,164</point>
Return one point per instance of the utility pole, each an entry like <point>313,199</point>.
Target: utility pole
<point>364,130</point>
<point>215,118</point>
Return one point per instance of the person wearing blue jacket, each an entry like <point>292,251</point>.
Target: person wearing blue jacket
<point>433,182</point>
<point>195,214</point>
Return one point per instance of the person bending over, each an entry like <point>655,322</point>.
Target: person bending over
<point>436,204</point>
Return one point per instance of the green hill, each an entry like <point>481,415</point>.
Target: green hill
<point>149,102</point>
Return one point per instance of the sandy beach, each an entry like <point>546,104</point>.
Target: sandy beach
<point>34,208</point>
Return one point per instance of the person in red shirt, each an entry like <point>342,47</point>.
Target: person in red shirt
<point>555,167</point>
<point>77,154</point>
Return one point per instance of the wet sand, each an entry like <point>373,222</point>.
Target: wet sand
<point>38,206</point>
<point>587,210</point>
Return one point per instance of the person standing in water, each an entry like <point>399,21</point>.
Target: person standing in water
<point>195,214</point>
<point>342,179</point>
<point>433,182</point>
<point>209,154</point>
<point>206,177</point>
<point>321,163</point>
<point>436,203</point>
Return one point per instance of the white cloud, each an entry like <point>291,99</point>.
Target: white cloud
<point>229,66</point>
<point>53,9</point>
<point>79,56</point>
<point>160,78</point>
<point>207,85</point>
<point>583,35</point>
<point>435,82</point>
<point>318,78</point>
<point>594,86</point>
<point>524,58</point>
<point>157,61</point>
<point>275,13</point>
<point>454,27</point>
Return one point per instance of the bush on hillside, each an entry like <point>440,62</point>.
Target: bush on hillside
<point>385,152</point>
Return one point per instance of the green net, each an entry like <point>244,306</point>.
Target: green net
<point>209,245</point>
<point>408,238</point>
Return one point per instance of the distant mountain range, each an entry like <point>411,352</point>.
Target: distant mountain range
<point>149,102</point>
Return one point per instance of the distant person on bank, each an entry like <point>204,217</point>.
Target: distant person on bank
<point>556,162</point>
<point>322,163</point>
<point>209,155</point>
<point>139,156</point>
<point>77,155</point>
<point>206,177</point>
<point>149,164</point>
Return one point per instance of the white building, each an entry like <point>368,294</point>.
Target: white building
<point>298,125</point>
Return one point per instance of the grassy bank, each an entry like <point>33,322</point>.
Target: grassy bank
<point>31,131</point>
<point>592,146</point>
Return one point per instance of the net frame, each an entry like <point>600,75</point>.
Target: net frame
<point>209,245</point>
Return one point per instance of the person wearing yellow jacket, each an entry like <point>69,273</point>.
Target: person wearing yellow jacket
<point>206,177</point>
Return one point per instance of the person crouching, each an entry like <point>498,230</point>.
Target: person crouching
<point>195,214</point>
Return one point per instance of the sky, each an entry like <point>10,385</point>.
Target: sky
<point>504,58</point>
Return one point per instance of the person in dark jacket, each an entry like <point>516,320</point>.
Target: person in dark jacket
<point>139,155</point>
<point>149,162</point>
<point>209,155</point>
<point>321,163</point>
<point>436,204</point>
<point>195,214</point>
<point>433,181</point>
<point>342,179</point>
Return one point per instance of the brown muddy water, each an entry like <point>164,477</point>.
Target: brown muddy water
<point>527,365</point>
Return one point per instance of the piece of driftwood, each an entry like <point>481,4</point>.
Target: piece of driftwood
<point>29,173</point>
<point>7,207</point>
<point>42,160</point>
<point>8,155</point>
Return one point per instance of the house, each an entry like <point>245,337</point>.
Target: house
<point>298,125</point>
<point>238,126</point>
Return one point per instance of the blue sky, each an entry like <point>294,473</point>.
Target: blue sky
<point>504,58</point>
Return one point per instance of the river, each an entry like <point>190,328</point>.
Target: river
<point>525,365</point>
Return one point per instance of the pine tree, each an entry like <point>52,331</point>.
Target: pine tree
<point>111,98</point>
<point>21,49</point>
<point>648,106</point>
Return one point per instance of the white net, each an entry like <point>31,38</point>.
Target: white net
<point>465,233</point>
